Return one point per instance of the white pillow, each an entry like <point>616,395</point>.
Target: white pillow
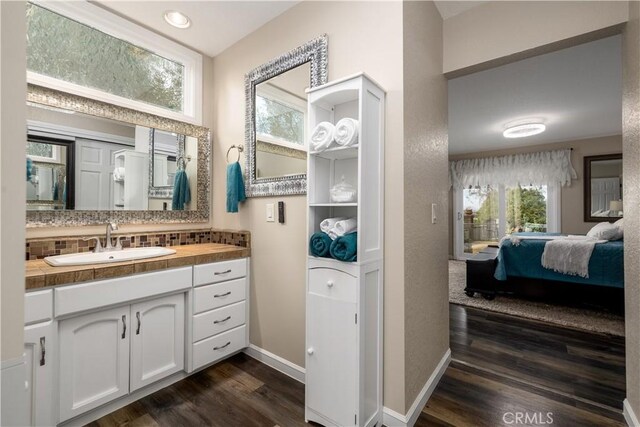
<point>604,231</point>
<point>620,224</point>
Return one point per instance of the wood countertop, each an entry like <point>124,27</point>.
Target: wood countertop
<point>40,275</point>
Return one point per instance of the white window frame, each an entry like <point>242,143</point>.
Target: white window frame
<point>280,96</point>
<point>113,25</point>
<point>554,216</point>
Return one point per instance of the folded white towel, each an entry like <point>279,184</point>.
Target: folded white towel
<point>346,132</point>
<point>118,173</point>
<point>345,226</point>
<point>327,225</point>
<point>322,136</point>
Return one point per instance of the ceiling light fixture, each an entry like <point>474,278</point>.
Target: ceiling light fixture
<point>177,19</point>
<point>524,130</point>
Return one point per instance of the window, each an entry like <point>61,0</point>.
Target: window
<point>39,152</point>
<point>111,60</point>
<point>280,117</point>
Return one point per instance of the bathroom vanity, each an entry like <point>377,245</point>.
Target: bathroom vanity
<point>98,337</point>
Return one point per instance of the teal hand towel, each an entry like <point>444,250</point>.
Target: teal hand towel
<point>235,187</point>
<point>29,168</point>
<point>345,248</point>
<point>181,191</point>
<point>319,244</point>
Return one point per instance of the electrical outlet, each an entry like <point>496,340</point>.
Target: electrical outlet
<point>270,215</point>
<point>434,217</point>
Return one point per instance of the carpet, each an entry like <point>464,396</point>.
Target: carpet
<point>570,317</point>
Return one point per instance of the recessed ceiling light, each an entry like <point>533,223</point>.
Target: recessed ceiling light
<point>177,19</point>
<point>524,130</point>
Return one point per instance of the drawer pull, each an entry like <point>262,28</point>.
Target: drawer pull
<point>222,346</point>
<point>330,284</point>
<point>218,273</point>
<point>222,295</point>
<point>215,322</point>
<point>310,351</point>
<point>124,326</point>
<point>42,351</point>
<point>139,323</point>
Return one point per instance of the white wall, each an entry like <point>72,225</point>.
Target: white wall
<point>12,208</point>
<point>498,29</point>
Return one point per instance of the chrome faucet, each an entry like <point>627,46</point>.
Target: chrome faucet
<point>112,226</point>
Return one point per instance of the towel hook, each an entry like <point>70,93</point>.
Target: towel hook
<point>240,149</point>
<point>185,160</point>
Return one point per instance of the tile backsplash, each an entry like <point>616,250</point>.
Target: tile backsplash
<point>44,247</point>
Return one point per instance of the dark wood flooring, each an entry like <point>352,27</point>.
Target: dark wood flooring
<point>501,366</point>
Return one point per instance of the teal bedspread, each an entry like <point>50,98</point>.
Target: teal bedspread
<point>606,267</point>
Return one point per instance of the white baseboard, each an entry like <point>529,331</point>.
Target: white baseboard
<point>13,375</point>
<point>629,415</point>
<point>276,362</point>
<point>392,418</point>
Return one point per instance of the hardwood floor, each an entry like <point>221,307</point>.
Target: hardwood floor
<point>501,366</point>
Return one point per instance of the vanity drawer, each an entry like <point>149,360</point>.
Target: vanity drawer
<point>335,284</point>
<point>38,306</point>
<point>219,346</point>
<point>219,271</point>
<point>215,296</point>
<point>213,322</point>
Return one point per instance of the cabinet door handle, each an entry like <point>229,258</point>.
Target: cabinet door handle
<point>217,273</point>
<point>42,351</point>
<point>222,346</point>
<point>124,326</point>
<point>222,295</point>
<point>215,322</point>
<point>139,323</point>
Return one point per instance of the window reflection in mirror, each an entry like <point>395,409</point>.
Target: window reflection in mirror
<point>281,124</point>
<point>604,191</point>
<point>81,162</point>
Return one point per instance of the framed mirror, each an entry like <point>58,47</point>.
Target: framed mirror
<point>89,162</point>
<point>603,188</point>
<point>276,119</point>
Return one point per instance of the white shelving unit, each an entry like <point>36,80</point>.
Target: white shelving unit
<point>345,299</point>
<point>131,192</point>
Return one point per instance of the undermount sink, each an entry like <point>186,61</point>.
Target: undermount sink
<point>107,257</point>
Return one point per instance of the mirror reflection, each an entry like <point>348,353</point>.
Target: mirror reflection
<point>82,162</point>
<point>281,124</point>
<point>605,186</point>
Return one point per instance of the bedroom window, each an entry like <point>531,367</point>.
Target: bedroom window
<point>79,48</point>
<point>484,215</point>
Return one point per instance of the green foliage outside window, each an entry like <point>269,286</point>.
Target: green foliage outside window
<point>526,208</point>
<point>64,49</point>
<point>279,121</point>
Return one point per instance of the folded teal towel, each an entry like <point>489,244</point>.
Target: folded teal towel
<point>181,191</point>
<point>319,244</point>
<point>235,187</point>
<point>29,167</point>
<point>345,248</point>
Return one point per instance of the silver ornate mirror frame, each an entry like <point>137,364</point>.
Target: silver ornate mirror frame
<point>62,100</point>
<point>162,191</point>
<point>316,53</point>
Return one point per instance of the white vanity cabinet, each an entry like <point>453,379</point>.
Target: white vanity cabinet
<point>220,311</point>
<point>39,350</point>
<point>157,339</point>
<point>94,360</point>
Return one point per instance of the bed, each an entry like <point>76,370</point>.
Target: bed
<point>606,266</point>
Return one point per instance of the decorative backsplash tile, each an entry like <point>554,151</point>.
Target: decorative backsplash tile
<point>41,248</point>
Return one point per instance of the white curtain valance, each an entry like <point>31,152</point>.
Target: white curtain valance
<point>541,168</point>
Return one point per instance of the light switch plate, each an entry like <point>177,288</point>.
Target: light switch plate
<point>270,215</point>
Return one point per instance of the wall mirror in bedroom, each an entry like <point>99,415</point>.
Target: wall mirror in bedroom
<point>276,119</point>
<point>89,162</point>
<point>603,188</point>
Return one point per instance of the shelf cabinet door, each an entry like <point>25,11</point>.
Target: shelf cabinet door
<point>331,360</point>
<point>94,360</point>
<point>39,353</point>
<point>157,339</point>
